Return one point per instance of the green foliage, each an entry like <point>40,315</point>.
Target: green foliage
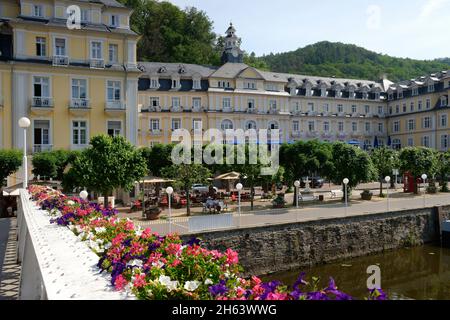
<point>186,175</point>
<point>352,163</point>
<point>158,157</point>
<point>384,161</point>
<point>52,164</point>
<point>349,61</point>
<point>418,160</point>
<point>306,158</point>
<point>443,169</point>
<point>110,163</point>
<point>170,34</point>
<point>10,162</point>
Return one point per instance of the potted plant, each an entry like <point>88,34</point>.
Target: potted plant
<point>152,213</point>
<point>279,201</point>
<point>366,195</point>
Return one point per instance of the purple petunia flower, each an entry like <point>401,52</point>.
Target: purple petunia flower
<point>218,289</point>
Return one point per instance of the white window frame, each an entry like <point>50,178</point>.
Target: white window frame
<point>42,43</point>
<point>72,128</point>
<point>174,121</point>
<point>38,8</point>
<point>225,125</point>
<point>72,86</point>
<point>396,126</point>
<point>156,122</point>
<point>33,81</point>
<point>115,58</point>
<point>115,133</point>
<point>196,102</point>
<point>50,131</point>
<point>91,49</point>
<point>296,126</point>
<point>114,87</point>
<point>153,99</point>
<point>66,46</point>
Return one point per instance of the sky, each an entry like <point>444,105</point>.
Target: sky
<point>403,28</point>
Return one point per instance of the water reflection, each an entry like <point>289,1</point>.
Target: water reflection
<point>417,273</point>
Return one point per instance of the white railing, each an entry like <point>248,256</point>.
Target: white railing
<point>61,61</point>
<point>115,105</point>
<point>228,109</point>
<point>79,103</point>
<point>42,147</point>
<point>97,64</point>
<point>42,102</point>
<point>210,222</point>
<point>55,265</point>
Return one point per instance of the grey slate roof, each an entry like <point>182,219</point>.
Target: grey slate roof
<point>190,70</point>
<point>108,3</point>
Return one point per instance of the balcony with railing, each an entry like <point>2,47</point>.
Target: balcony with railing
<point>42,102</point>
<point>42,148</point>
<point>97,64</point>
<point>116,106</point>
<point>79,104</point>
<point>227,109</point>
<point>60,61</point>
<point>155,132</point>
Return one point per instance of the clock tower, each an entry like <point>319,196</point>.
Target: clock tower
<point>232,52</point>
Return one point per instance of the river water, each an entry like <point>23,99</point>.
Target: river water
<point>421,273</point>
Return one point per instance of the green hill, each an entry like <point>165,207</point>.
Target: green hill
<point>350,61</point>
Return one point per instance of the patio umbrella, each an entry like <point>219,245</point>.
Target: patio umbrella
<point>389,142</point>
<point>375,143</point>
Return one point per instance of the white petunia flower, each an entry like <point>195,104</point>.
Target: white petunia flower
<point>100,230</point>
<point>191,285</point>
<point>136,262</point>
<point>208,282</point>
<point>168,283</point>
<point>70,203</point>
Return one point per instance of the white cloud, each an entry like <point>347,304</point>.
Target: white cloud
<point>430,7</point>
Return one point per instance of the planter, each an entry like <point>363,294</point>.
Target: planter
<point>367,196</point>
<point>152,213</point>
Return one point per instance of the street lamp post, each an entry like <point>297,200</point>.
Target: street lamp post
<point>345,181</point>
<point>239,187</point>
<point>388,180</point>
<point>297,185</point>
<point>24,123</point>
<point>169,191</point>
<point>424,179</point>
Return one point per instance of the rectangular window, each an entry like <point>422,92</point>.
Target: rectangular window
<point>380,127</point>
<point>411,124</point>
<point>396,126</point>
<point>197,103</point>
<point>41,132</point>
<point>113,53</point>
<point>431,88</point>
<point>340,126</point>
<point>354,108</point>
<point>250,85</point>
<point>114,21</point>
<point>340,108</point>
<point>428,103</point>
<point>176,124</point>
<point>400,95</point>
<point>154,102</point>
<point>410,142</point>
<point>419,105</point>
<point>296,126</point>
<point>397,109</point>
<point>367,126</point>
<point>326,126</point>
<point>79,89</point>
<point>114,128</point>
<point>354,126</point>
<point>41,87</point>
<point>154,124</point>
<point>444,120</point>
<point>79,133</point>
<point>273,104</point>
<point>311,106</point>
<point>311,126</point>
<point>411,108</point>
<point>426,124</point>
<point>404,107</point>
<point>175,84</point>
<point>326,107</point>
<point>444,142</point>
<point>197,124</point>
<point>426,141</point>
<point>114,90</point>
<point>251,104</point>
<point>380,109</point>
<point>41,46</point>
<point>154,84</point>
<point>367,109</point>
<point>415,91</point>
<point>60,47</point>
<point>196,84</point>
<point>84,15</point>
<point>176,102</point>
<point>226,103</point>
<point>37,11</point>
<point>96,50</point>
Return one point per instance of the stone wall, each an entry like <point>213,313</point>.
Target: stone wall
<point>268,249</point>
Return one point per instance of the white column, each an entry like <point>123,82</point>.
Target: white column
<point>21,99</point>
<point>132,111</point>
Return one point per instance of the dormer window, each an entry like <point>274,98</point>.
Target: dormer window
<point>154,83</point>
<point>323,92</point>
<point>377,96</point>
<point>415,91</point>
<point>162,70</point>
<point>338,93</point>
<point>431,87</point>
<point>351,94</point>
<point>365,95</point>
<point>175,84</point>
<point>196,84</point>
<point>443,101</point>
<point>250,85</point>
<point>114,21</point>
<point>37,11</point>
<point>400,94</point>
<point>84,15</point>
<point>390,96</point>
<point>182,69</point>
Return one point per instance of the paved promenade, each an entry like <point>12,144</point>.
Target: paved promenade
<point>312,212</point>
<point>9,269</point>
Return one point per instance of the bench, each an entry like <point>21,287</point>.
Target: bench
<point>336,194</point>
<point>307,197</point>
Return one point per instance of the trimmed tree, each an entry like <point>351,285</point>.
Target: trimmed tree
<point>443,169</point>
<point>351,163</point>
<point>185,175</point>
<point>110,163</point>
<point>417,161</point>
<point>158,157</point>
<point>384,161</point>
<point>10,162</point>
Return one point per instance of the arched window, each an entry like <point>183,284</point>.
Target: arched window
<point>227,124</point>
<point>273,125</point>
<point>250,125</point>
<point>396,144</point>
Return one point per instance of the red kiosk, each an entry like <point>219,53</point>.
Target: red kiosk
<point>408,182</point>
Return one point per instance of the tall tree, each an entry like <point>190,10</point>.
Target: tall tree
<point>158,157</point>
<point>351,163</point>
<point>417,161</point>
<point>384,161</point>
<point>443,169</point>
<point>10,162</point>
<point>109,163</point>
<point>185,175</point>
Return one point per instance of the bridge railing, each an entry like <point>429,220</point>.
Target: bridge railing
<point>55,265</point>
